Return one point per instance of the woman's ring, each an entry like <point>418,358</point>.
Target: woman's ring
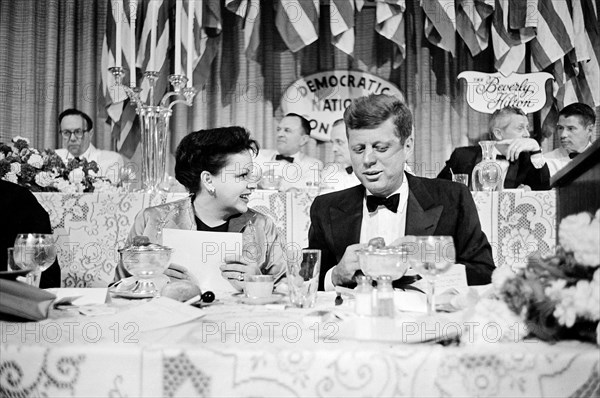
<point>240,277</point>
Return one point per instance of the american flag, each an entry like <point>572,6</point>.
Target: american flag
<point>440,24</point>
<point>249,11</point>
<point>341,21</point>
<point>297,22</point>
<point>391,25</point>
<point>473,24</point>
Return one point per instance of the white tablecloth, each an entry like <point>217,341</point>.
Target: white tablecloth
<point>247,350</point>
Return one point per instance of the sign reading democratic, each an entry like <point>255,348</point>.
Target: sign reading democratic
<point>323,97</point>
<point>487,92</point>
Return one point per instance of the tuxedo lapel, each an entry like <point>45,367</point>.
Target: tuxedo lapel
<point>345,220</point>
<point>422,214</point>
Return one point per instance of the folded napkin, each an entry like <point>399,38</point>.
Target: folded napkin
<point>25,301</point>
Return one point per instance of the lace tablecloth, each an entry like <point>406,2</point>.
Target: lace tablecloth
<point>247,351</point>
<point>516,223</point>
<point>91,227</point>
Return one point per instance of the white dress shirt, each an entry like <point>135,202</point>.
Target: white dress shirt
<point>380,223</point>
<point>295,175</point>
<point>559,158</point>
<point>109,162</point>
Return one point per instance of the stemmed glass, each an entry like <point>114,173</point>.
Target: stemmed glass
<point>35,252</point>
<point>432,255</point>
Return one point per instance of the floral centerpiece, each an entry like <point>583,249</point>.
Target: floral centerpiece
<point>45,171</point>
<point>558,296</point>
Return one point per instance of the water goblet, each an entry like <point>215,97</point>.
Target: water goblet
<point>432,256</point>
<point>35,252</point>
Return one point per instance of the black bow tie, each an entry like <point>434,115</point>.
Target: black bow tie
<point>390,202</point>
<point>573,154</point>
<point>349,169</point>
<point>283,157</point>
<point>500,157</point>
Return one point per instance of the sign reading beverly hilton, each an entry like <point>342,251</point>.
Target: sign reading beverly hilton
<point>487,92</point>
<point>323,97</point>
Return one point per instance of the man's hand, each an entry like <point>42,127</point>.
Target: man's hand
<point>177,272</point>
<point>343,273</point>
<point>234,269</point>
<point>518,145</point>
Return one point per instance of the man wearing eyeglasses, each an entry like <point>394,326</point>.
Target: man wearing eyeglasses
<point>76,131</point>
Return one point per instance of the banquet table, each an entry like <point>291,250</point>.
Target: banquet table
<point>246,350</point>
<point>91,227</point>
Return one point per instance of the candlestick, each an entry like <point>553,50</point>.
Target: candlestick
<point>154,20</point>
<point>178,5</point>
<point>132,18</point>
<point>190,41</point>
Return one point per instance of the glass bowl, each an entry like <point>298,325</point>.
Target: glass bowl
<point>389,260</point>
<point>146,261</point>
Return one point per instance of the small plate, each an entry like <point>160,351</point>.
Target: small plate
<point>275,297</point>
<point>13,275</point>
<point>130,294</point>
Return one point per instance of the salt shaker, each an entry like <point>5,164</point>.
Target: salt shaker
<point>363,296</point>
<point>385,297</point>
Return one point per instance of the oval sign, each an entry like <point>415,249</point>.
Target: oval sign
<point>487,92</point>
<point>323,97</point>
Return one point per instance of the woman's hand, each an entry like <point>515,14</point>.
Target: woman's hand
<point>177,272</point>
<point>235,267</point>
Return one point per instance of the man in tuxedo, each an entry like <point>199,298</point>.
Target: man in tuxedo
<point>576,129</point>
<point>288,161</point>
<point>390,203</point>
<point>76,129</point>
<point>24,214</point>
<point>519,155</point>
<point>339,174</point>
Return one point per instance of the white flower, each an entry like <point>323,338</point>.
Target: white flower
<point>15,168</point>
<point>65,186</point>
<point>76,175</point>
<point>92,173</point>
<point>2,155</point>
<point>500,276</point>
<point>580,234</point>
<point>44,179</point>
<point>12,177</point>
<point>18,137</point>
<point>36,161</point>
<point>587,300</point>
<point>565,312</point>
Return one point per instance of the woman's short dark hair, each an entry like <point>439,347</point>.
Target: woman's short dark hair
<point>208,150</point>
<point>371,111</point>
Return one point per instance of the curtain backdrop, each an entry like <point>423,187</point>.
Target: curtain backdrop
<point>51,61</point>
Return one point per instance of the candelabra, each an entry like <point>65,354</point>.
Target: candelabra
<point>155,122</point>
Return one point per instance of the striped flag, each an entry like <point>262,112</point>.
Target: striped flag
<point>509,41</point>
<point>249,11</point>
<point>472,23</point>
<point>440,24</point>
<point>555,35</point>
<point>206,37</point>
<point>297,22</point>
<point>116,100</point>
<point>341,20</point>
<point>590,70</point>
<point>391,25</point>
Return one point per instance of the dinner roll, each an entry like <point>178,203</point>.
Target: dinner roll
<point>180,290</point>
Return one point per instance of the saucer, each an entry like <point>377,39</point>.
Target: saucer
<point>13,275</point>
<point>274,298</point>
<point>125,288</point>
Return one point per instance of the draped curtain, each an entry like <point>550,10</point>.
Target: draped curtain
<point>51,61</point>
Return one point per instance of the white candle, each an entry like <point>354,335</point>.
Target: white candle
<point>118,21</point>
<point>132,17</point>
<point>178,5</point>
<point>190,41</point>
<point>154,20</point>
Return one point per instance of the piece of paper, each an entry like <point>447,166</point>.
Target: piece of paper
<point>80,295</point>
<point>202,253</point>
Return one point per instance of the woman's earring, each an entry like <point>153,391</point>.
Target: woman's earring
<point>212,191</point>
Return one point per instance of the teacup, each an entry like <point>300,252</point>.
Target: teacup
<point>258,286</point>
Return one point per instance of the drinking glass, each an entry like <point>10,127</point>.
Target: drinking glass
<point>303,266</point>
<point>461,178</point>
<point>35,252</point>
<point>432,255</point>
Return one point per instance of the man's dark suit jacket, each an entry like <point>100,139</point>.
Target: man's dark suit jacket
<point>435,207</point>
<point>22,213</point>
<point>463,161</point>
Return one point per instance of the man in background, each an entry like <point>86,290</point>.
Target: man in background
<point>519,155</point>
<point>76,129</point>
<point>297,170</point>
<point>575,127</point>
<point>339,174</point>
